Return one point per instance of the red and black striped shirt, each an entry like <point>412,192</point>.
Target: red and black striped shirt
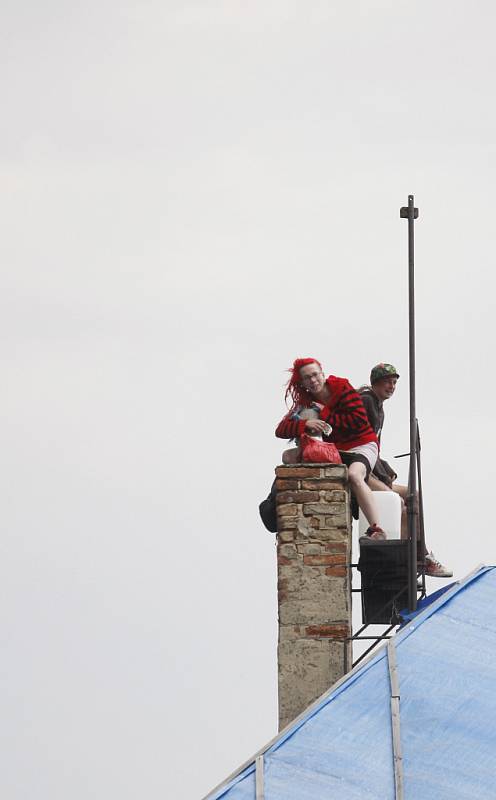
<point>344,411</point>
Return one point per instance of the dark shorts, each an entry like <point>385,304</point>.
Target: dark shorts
<point>351,458</point>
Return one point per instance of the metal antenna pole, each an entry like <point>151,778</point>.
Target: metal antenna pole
<point>411,213</point>
<point>421,560</point>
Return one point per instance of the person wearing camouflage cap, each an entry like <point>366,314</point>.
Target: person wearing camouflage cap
<point>383,379</point>
<point>383,370</point>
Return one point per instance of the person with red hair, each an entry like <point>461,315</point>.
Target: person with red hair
<point>341,419</point>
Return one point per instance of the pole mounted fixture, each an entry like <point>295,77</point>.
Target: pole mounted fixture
<point>405,210</point>
<point>411,214</point>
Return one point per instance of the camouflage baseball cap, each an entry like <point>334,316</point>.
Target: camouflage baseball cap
<point>383,371</point>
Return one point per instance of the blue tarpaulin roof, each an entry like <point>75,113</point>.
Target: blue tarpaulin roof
<point>342,746</point>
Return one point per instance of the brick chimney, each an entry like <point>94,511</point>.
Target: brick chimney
<point>314,597</point>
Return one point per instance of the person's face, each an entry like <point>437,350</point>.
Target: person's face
<point>384,388</point>
<point>312,378</point>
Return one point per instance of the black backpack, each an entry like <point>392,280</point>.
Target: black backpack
<point>267,509</point>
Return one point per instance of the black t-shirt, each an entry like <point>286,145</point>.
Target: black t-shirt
<point>375,412</point>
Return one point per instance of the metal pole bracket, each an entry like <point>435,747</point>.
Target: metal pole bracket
<point>405,213</point>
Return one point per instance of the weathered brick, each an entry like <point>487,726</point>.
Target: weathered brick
<point>288,633</point>
<point>324,559</point>
<point>286,535</point>
<point>337,572</point>
<point>310,483</point>
<point>312,549</point>
<point>321,483</point>
<point>338,471</point>
<point>283,484</point>
<point>328,534</point>
<point>339,559</point>
<point>336,547</point>
<point>338,631</point>
<point>337,508</point>
<point>335,496</point>
<point>292,569</point>
<point>316,508</point>
<point>297,472</point>
<point>311,610</point>
<point>306,525</point>
<point>287,523</point>
<point>282,592</point>
<point>296,496</point>
<point>283,561</point>
<point>337,521</point>
<point>287,510</point>
<point>288,550</point>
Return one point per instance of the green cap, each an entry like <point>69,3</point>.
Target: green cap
<point>383,371</point>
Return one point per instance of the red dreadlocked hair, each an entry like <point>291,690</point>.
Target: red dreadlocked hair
<point>298,394</point>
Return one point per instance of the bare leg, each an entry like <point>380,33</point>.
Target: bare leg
<point>362,492</point>
<point>402,491</point>
<point>376,485</point>
<point>433,568</point>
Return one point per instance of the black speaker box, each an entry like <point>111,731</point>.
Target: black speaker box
<point>384,571</point>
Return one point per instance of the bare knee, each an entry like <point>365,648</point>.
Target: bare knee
<point>355,480</point>
<point>401,490</point>
<point>376,485</point>
<point>356,475</point>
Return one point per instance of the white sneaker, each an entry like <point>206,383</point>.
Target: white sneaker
<point>435,569</point>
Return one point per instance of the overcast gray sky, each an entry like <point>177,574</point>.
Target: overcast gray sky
<point>192,195</point>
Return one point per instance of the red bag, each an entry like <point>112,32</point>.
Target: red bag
<point>318,451</point>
